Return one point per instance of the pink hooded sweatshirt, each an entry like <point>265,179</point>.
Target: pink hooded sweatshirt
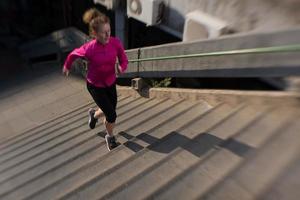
<point>101,61</point>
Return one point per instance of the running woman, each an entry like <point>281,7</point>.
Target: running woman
<point>101,53</point>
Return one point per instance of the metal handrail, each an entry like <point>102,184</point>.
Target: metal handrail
<point>274,49</point>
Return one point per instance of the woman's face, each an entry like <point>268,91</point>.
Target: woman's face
<point>103,33</point>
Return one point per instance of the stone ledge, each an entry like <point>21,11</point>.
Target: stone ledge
<point>217,96</point>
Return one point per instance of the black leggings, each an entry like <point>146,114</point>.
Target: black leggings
<point>106,100</point>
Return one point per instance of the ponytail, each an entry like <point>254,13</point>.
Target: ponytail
<point>90,14</point>
<point>94,18</point>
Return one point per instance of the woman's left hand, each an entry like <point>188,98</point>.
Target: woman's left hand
<point>119,70</point>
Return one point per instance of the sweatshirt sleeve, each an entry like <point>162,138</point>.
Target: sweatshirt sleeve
<point>76,53</point>
<point>123,60</point>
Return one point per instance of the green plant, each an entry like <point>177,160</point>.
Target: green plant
<point>166,82</point>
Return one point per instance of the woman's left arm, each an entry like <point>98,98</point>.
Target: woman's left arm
<point>123,60</point>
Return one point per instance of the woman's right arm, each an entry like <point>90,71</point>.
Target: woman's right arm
<point>76,53</point>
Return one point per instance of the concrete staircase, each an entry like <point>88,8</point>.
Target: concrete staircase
<point>171,148</point>
<point>174,144</point>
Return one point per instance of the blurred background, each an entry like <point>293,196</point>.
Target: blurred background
<point>146,23</point>
<point>233,135</point>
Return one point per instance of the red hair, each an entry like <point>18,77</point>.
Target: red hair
<point>94,18</point>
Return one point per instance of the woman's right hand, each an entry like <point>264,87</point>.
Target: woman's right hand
<point>65,71</point>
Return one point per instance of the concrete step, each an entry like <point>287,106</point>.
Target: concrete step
<point>45,128</point>
<point>260,170</point>
<point>128,113</point>
<point>97,164</point>
<point>39,155</point>
<point>171,148</point>
<point>39,159</point>
<point>62,188</point>
<point>46,134</point>
<point>286,185</point>
<point>200,146</point>
<point>34,132</point>
<point>151,157</point>
<point>163,119</point>
<point>198,179</point>
<point>33,100</point>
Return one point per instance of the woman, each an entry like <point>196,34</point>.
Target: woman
<point>101,54</point>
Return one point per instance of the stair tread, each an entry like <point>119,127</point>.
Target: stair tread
<point>224,160</point>
<point>262,167</point>
<point>167,145</point>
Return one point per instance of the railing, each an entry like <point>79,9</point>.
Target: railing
<point>249,55</point>
<point>274,54</point>
<point>275,49</point>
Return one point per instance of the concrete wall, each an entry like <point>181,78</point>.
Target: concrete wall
<point>242,15</point>
<point>244,65</point>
